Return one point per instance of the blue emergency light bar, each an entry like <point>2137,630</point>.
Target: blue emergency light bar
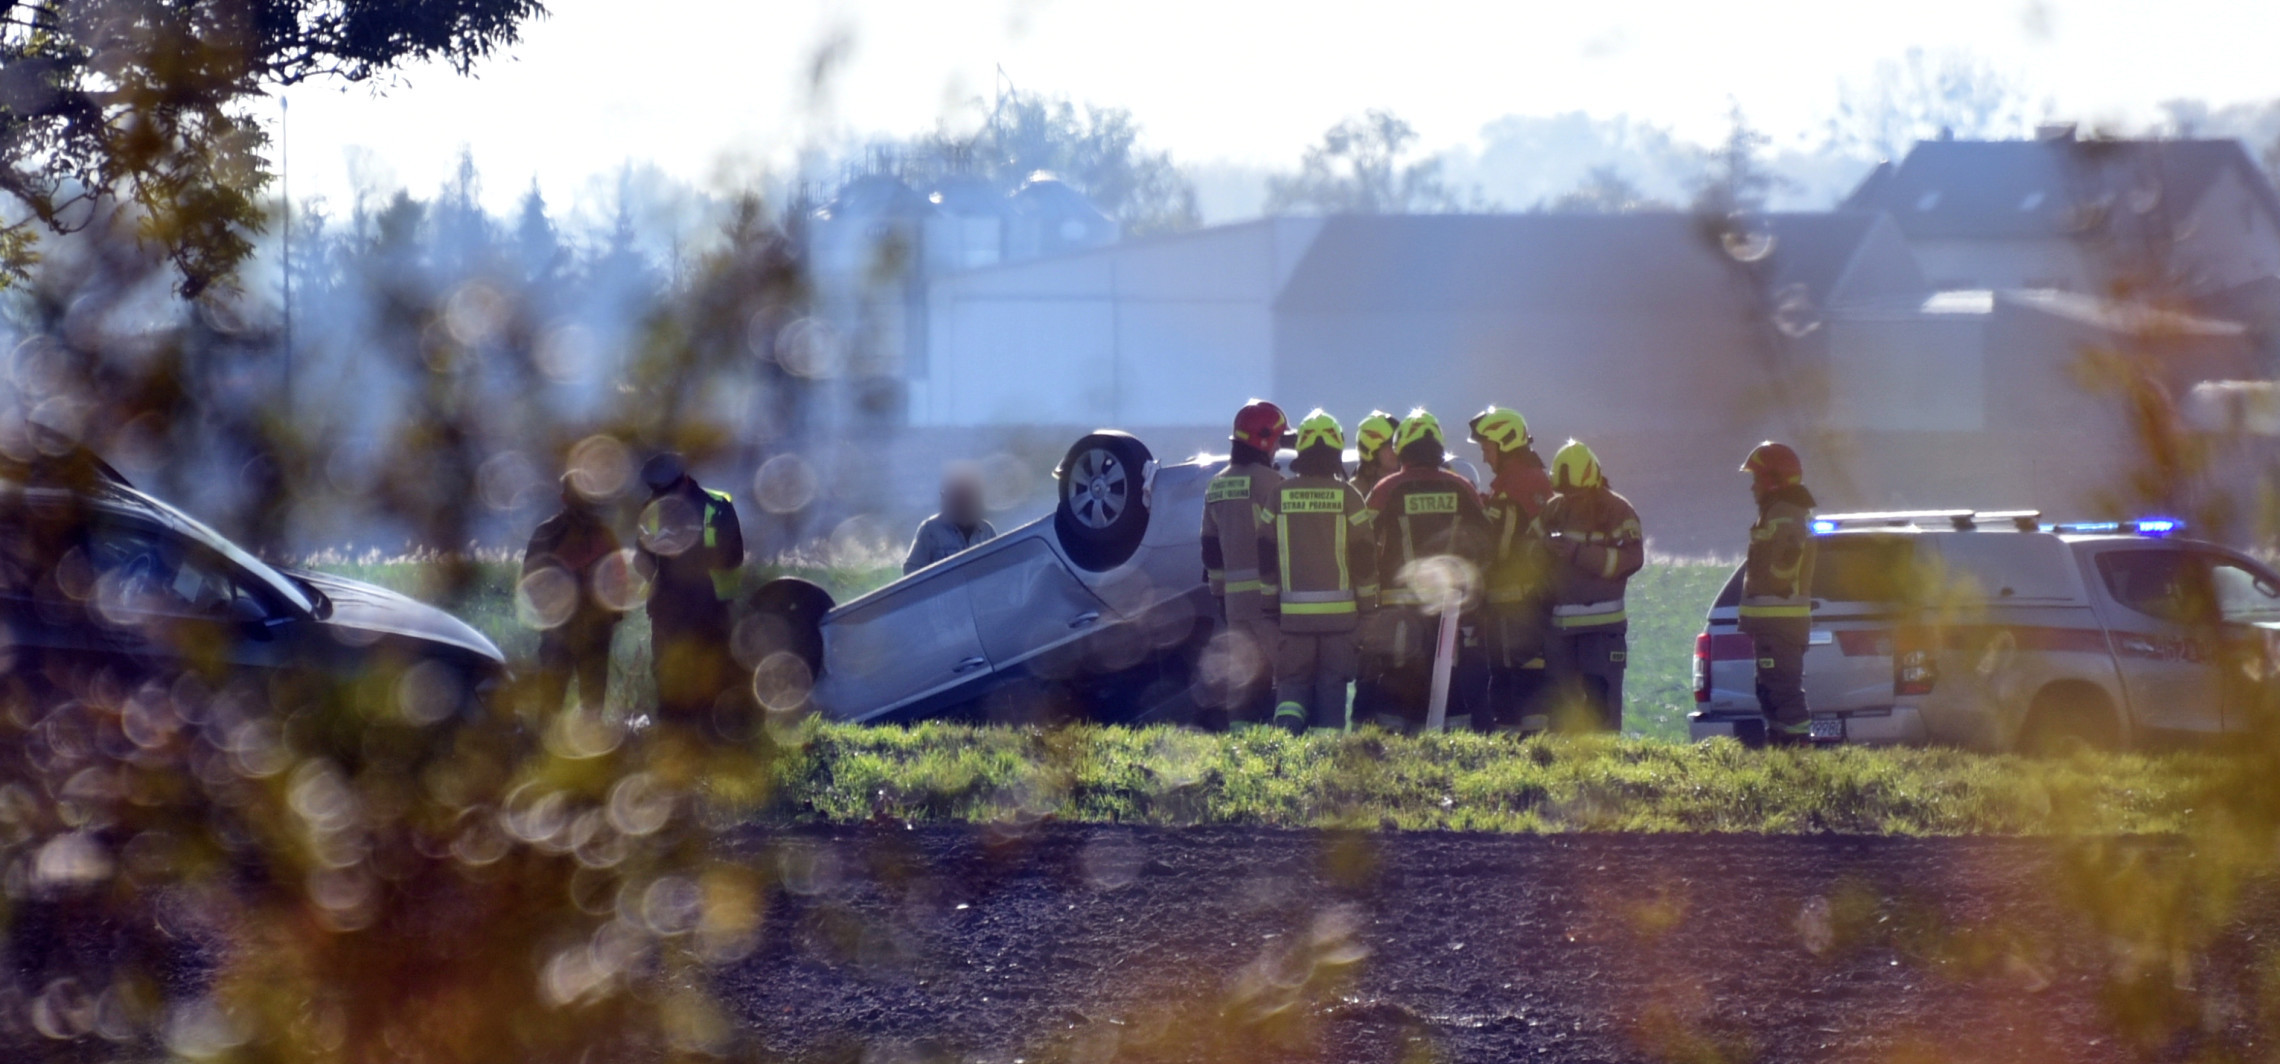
<point>2143,526</point>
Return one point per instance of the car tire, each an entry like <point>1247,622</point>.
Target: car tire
<point>2067,719</point>
<point>1104,505</point>
<point>784,616</point>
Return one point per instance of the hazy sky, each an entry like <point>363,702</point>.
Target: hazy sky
<point>714,88</point>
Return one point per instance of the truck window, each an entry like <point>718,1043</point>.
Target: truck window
<point>2244,595</point>
<point>2009,567</point>
<point>1863,568</point>
<point>2168,585</point>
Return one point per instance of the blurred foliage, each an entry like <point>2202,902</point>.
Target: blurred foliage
<point>145,102</point>
<point>1928,96</point>
<point>1363,165</point>
<point>1096,149</point>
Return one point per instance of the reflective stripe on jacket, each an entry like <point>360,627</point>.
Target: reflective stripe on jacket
<point>1595,536</point>
<point>1327,553</point>
<point>1777,578</point>
<point>1239,558</point>
<point>1422,512</point>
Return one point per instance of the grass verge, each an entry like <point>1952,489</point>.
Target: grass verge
<point>1164,776</point>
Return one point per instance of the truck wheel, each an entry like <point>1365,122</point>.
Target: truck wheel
<point>1104,510</point>
<point>2068,718</point>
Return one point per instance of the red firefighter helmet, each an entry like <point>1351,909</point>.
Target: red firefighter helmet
<point>1261,424</point>
<point>1774,465</point>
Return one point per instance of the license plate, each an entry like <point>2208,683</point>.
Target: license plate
<point>1828,729</point>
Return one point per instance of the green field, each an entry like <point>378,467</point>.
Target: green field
<point>1666,603</point>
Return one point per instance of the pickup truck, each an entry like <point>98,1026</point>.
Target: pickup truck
<point>1993,630</point>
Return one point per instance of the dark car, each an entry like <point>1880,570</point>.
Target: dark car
<point>102,584</point>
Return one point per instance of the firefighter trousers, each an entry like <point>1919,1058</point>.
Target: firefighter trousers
<point>1586,672</point>
<point>1312,670</point>
<point>1781,685</point>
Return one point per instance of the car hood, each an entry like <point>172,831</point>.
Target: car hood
<point>362,607</point>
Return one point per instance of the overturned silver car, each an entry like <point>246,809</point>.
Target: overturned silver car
<point>1098,611</point>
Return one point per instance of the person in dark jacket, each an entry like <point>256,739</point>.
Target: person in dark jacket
<point>1596,545</point>
<point>1777,589</point>
<point>556,590</point>
<point>1518,572</point>
<point>692,548</point>
<point>957,527</point>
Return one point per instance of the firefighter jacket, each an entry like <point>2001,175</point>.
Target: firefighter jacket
<point>1366,477</point>
<point>693,545</point>
<point>1239,558</point>
<point>1518,565</point>
<point>1595,539</point>
<point>1777,579</point>
<point>1423,511</point>
<point>1328,556</point>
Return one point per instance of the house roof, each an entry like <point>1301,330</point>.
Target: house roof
<point>1644,262</point>
<point>2052,187</point>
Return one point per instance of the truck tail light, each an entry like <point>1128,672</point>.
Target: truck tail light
<point>1915,667</point>
<point>1702,668</point>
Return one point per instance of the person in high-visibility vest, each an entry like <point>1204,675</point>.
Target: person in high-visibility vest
<point>1596,544</point>
<point>1239,561</point>
<point>1328,562</point>
<point>1777,589</point>
<point>1424,513</point>
<point>1374,461</point>
<point>692,548</point>
<point>1518,571</point>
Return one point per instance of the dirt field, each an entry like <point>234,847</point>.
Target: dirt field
<point>1097,943</point>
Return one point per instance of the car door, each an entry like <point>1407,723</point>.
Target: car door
<point>1028,604</point>
<point>898,651</point>
<point>2248,610</point>
<point>2162,623</point>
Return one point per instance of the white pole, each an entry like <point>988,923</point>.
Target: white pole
<point>1444,660</point>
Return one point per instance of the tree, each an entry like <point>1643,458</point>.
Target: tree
<point>1925,96</point>
<point>145,104</point>
<point>1358,168</point>
<point>1097,149</point>
<point>1736,177</point>
<point>1604,191</point>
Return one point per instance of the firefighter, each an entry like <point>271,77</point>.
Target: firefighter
<point>692,549</point>
<point>958,526</point>
<point>1421,512</point>
<point>1239,559</point>
<point>1777,589</point>
<point>1328,566</point>
<point>1517,570</point>
<point>1375,461</point>
<point>1595,543</point>
<point>558,584</point>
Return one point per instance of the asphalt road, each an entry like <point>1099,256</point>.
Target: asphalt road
<point>1097,943</point>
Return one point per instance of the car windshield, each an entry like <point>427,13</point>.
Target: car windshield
<point>280,584</point>
<point>2246,595</point>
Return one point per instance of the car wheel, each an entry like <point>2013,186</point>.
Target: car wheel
<point>1104,507</point>
<point>784,616</point>
<point>2068,719</point>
